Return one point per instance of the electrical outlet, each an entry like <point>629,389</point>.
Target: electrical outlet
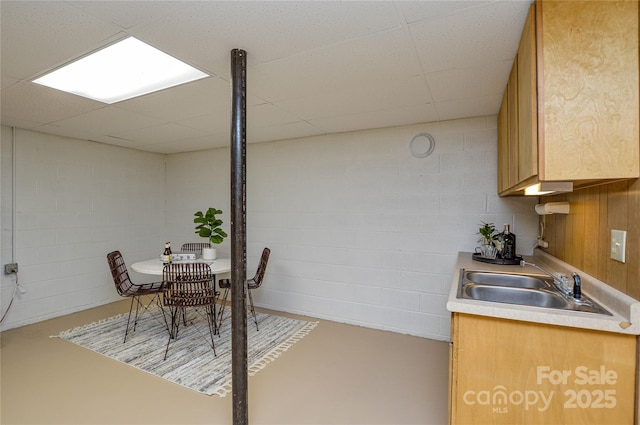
<point>618,245</point>
<point>11,268</point>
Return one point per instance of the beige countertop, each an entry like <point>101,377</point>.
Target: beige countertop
<point>625,310</point>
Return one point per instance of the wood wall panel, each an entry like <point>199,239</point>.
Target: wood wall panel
<point>583,237</point>
<point>591,221</point>
<point>633,234</point>
<point>603,237</point>
<point>575,253</point>
<point>617,210</point>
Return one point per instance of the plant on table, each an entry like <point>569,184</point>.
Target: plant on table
<point>488,232</point>
<point>208,226</point>
<point>489,238</point>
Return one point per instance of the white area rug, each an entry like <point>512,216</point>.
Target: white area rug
<point>190,362</point>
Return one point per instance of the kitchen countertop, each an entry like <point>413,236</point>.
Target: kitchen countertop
<point>625,310</point>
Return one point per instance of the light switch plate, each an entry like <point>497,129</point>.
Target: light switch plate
<point>618,245</point>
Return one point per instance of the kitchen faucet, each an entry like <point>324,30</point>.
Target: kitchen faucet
<point>577,286</point>
<point>559,280</point>
<point>573,295</point>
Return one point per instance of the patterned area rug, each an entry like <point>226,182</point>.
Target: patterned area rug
<point>190,361</point>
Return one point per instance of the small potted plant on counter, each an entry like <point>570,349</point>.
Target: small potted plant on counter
<point>489,242</point>
<point>208,226</point>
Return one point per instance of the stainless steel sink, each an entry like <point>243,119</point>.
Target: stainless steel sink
<point>513,295</point>
<point>506,279</point>
<point>522,289</point>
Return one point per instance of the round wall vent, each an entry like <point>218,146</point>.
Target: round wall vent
<point>422,145</point>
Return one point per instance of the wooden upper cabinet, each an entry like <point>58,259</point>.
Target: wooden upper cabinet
<point>589,102</point>
<point>508,134</point>
<point>577,95</point>
<point>503,145</point>
<point>527,101</point>
<point>514,127</point>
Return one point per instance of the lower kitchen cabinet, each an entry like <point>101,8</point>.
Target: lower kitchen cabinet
<point>514,372</point>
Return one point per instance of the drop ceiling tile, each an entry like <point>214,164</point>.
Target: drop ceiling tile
<point>191,145</point>
<point>266,30</point>
<point>117,141</point>
<point>7,81</point>
<point>73,133</point>
<point>387,94</point>
<point>469,107</point>
<point>20,123</point>
<point>128,14</point>
<point>169,132</point>
<point>377,119</point>
<point>414,11</point>
<point>265,123</point>
<point>464,83</point>
<point>268,115</point>
<point>314,67</point>
<point>359,62</point>
<point>212,122</point>
<point>473,37</point>
<point>187,100</point>
<point>108,120</point>
<point>42,104</point>
<point>293,130</point>
<point>40,35</point>
<point>207,97</point>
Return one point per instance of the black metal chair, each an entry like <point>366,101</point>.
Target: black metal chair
<point>126,288</point>
<point>253,283</point>
<point>189,285</point>
<point>194,246</point>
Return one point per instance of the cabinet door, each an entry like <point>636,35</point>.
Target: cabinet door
<point>589,103</point>
<point>453,369</point>
<point>527,101</point>
<point>514,125</point>
<point>517,132</point>
<point>508,134</point>
<point>512,372</point>
<point>503,145</point>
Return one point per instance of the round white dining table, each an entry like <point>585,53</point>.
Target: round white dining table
<point>155,266</point>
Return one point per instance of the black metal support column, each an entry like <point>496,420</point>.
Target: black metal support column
<point>239,367</point>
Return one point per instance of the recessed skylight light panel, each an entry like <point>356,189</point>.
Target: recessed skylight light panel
<point>124,70</point>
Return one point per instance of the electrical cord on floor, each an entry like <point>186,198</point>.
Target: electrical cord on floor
<point>13,297</point>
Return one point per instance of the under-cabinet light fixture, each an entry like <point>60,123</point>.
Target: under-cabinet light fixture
<point>544,188</point>
<point>126,69</point>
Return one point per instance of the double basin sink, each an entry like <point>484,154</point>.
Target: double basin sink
<point>522,289</point>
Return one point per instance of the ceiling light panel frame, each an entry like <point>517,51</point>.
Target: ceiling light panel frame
<point>126,69</point>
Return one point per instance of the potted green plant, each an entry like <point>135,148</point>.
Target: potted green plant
<point>208,226</point>
<point>489,242</point>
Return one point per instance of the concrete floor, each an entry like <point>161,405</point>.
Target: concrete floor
<point>338,374</point>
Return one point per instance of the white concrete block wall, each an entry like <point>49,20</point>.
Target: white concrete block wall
<point>75,201</point>
<point>361,232</point>
<point>195,182</point>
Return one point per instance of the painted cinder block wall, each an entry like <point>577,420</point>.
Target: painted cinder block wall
<point>361,232</point>
<point>75,201</point>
